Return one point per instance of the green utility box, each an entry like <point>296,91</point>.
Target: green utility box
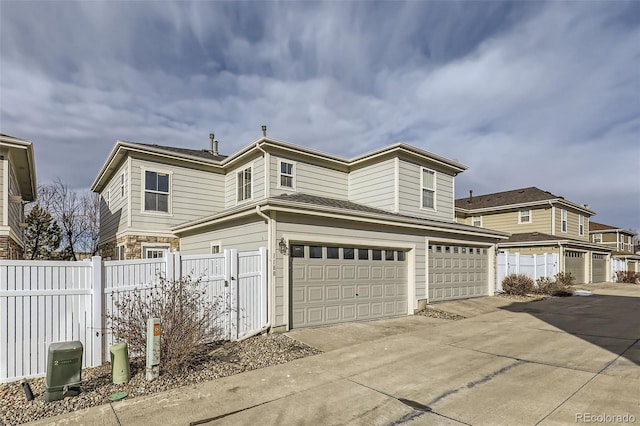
<point>64,370</point>
<point>120,371</point>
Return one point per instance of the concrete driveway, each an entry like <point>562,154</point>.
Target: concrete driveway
<point>556,361</point>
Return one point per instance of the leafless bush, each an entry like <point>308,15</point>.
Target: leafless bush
<point>544,285</point>
<point>517,284</point>
<point>188,319</point>
<point>559,285</point>
<point>628,277</point>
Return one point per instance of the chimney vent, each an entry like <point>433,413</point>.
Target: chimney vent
<point>471,195</point>
<point>214,144</point>
<point>264,131</point>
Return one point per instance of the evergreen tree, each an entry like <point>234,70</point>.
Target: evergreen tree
<point>42,235</point>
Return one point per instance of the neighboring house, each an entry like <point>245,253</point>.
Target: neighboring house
<point>348,239</point>
<point>17,185</point>
<point>622,241</point>
<point>540,222</point>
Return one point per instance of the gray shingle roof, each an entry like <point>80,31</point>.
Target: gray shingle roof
<point>330,202</point>
<point>201,153</point>
<point>498,199</point>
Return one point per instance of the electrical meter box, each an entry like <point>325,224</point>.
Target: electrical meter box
<point>64,370</point>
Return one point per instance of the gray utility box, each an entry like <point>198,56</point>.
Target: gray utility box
<point>64,370</point>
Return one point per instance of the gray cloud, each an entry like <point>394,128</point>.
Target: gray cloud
<point>525,94</point>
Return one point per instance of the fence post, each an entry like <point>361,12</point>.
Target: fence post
<point>234,293</point>
<point>517,263</point>
<point>535,267</point>
<point>264,276</point>
<point>98,320</point>
<point>177,266</point>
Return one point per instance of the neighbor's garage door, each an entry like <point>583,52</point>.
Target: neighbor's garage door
<point>598,267</point>
<point>341,284</point>
<point>574,264</point>
<point>456,272</point>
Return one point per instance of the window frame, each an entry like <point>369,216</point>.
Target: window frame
<point>597,238</point>
<point>292,175</point>
<point>581,225</point>
<point>120,252</point>
<point>424,188</point>
<point>122,184</point>
<point>564,226</point>
<point>530,216</point>
<point>238,173</point>
<point>144,190</point>
<point>215,244</point>
<point>146,247</point>
<point>478,219</point>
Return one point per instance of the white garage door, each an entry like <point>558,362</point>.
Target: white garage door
<point>331,284</point>
<point>457,272</point>
<point>574,264</point>
<point>599,267</point>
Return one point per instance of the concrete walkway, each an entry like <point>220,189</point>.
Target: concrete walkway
<point>555,361</point>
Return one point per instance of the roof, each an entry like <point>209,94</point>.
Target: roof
<point>515,197</point>
<point>595,226</point>
<point>538,238</point>
<point>202,153</point>
<point>23,164</point>
<point>303,203</point>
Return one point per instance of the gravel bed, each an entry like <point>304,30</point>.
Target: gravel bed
<point>435,313</point>
<point>223,360</point>
<point>525,298</point>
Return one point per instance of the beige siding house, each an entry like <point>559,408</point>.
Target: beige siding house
<point>17,186</point>
<point>621,241</point>
<point>348,239</point>
<point>540,222</point>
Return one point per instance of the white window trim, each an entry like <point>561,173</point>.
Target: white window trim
<point>520,221</point>
<point>422,188</point>
<point>123,180</point>
<point>581,225</point>
<point>215,244</point>
<point>294,167</point>
<point>563,221</point>
<point>108,198</point>
<point>143,170</point>
<point>473,219</point>
<point>597,237</point>
<point>118,248</point>
<point>154,246</point>
<point>236,172</point>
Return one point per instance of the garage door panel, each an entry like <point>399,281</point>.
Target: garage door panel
<point>457,272</point>
<point>339,289</point>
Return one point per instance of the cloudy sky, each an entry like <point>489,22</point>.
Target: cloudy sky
<point>524,93</point>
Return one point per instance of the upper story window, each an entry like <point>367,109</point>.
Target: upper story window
<point>525,216</point>
<point>428,189</point>
<point>286,174</point>
<point>243,184</point>
<point>156,191</point>
<point>476,221</point>
<point>563,220</point>
<point>597,238</point>
<point>122,184</point>
<point>581,225</point>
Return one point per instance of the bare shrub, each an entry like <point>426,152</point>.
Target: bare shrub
<point>517,284</point>
<point>628,277</point>
<point>544,285</point>
<point>188,319</point>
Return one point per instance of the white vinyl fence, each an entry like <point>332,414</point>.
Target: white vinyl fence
<point>42,302</point>
<point>533,265</point>
<point>617,265</point>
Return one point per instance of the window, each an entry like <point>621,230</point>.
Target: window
<point>315,252</point>
<point>216,247</point>
<point>333,253</point>
<point>581,225</point>
<point>376,254</point>
<point>428,189</point>
<point>286,174</point>
<point>156,191</point>
<point>154,252</point>
<point>363,254</point>
<point>119,254</point>
<point>476,221</point>
<point>122,184</point>
<point>347,253</point>
<point>597,238</point>
<point>525,216</point>
<point>389,255</point>
<point>400,256</point>
<point>563,220</point>
<point>243,183</point>
<point>108,198</point>
<point>297,251</point>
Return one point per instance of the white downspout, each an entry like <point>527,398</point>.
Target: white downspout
<point>270,265</point>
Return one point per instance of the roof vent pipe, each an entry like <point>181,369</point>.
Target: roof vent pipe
<point>471,195</point>
<point>214,144</point>
<point>264,131</point>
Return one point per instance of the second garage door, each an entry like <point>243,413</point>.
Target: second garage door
<point>341,284</point>
<point>457,272</point>
<point>574,264</point>
<point>599,267</point>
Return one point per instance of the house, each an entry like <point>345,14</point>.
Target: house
<point>17,186</point>
<point>622,241</point>
<point>540,222</point>
<point>348,239</point>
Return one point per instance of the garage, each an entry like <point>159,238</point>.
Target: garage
<point>331,284</point>
<point>574,264</point>
<point>598,267</point>
<point>457,271</point>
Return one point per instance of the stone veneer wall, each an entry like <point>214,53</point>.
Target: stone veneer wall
<point>133,245</point>
<point>9,249</point>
